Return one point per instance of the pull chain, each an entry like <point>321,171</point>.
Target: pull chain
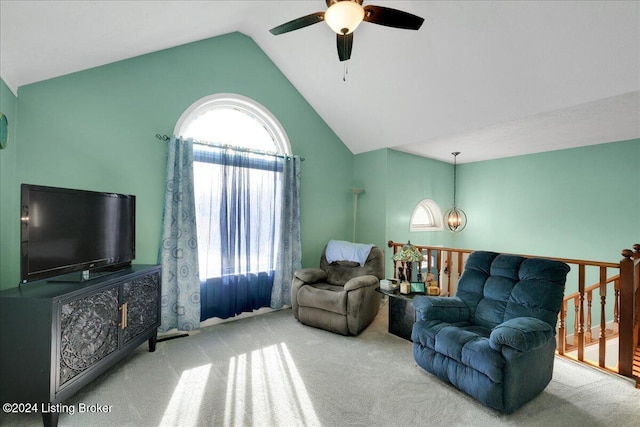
<point>345,69</point>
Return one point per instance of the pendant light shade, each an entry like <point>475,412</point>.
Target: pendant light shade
<point>455,218</point>
<point>344,16</point>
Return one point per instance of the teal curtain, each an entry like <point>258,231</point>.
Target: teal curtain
<point>237,205</point>
<point>180,307</point>
<point>289,258</point>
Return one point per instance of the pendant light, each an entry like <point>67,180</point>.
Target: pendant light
<point>455,218</point>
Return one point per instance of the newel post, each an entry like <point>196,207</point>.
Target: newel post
<point>625,353</point>
<point>636,281</point>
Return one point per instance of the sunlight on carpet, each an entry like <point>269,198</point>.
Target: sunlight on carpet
<point>183,408</point>
<point>267,385</point>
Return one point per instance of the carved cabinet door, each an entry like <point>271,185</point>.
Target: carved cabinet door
<point>141,296</point>
<point>88,332</point>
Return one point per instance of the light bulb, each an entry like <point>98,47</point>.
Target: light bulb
<point>456,219</point>
<point>344,16</point>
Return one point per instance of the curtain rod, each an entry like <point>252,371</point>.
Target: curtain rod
<point>165,138</point>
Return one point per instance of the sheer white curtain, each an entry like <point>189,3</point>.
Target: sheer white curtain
<point>238,203</point>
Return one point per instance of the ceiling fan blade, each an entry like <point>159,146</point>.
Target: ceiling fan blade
<point>345,43</point>
<point>298,23</point>
<point>392,18</point>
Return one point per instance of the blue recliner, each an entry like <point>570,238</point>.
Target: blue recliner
<point>495,340</point>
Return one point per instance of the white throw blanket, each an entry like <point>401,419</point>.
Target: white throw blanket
<point>339,250</point>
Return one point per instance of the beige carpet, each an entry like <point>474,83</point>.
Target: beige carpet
<point>269,370</point>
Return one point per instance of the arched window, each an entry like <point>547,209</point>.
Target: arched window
<point>233,120</point>
<point>426,216</point>
<point>238,185</point>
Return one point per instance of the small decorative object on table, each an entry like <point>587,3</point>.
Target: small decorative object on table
<point>388,284</point>
<point>405,288</point>
<point>417,287</point>
<point>432,285</point>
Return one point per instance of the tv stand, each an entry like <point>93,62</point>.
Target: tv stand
<point>57,337</point>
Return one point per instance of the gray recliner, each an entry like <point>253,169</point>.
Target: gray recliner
<point>340,296</point>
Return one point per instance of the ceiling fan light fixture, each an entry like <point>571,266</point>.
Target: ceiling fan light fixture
<point>343,17</point>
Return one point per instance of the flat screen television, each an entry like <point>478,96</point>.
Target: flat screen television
<point>67,231</point>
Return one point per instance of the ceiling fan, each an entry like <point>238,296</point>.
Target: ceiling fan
<point>343,16</point>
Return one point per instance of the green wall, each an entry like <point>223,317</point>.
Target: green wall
<point>9,225</point>
<point>579,203</point>
<point>412,179</point>
<point>370,173</point>
<point>96,130</point>
<point>394,183</point>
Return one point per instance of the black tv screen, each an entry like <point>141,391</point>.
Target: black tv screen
<point>65,230</point>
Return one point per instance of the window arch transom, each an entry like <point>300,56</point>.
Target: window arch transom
<point>233,120</point>
<point>426,216</point>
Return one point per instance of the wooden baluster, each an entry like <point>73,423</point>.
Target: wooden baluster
<point>636,279</point>
<point>576,307</point>
<point>625,352</point>
<point>459,267</point>
<point>603,318</point>
<point>438,268</point>
<point>566,337</point>
<point>589,332</point>
<point>447,267</point>
<point>562,332</point>
<point>616,307</point>
<point>581,284</point>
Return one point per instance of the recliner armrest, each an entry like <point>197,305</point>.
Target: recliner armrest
<point>311,275</point>
<point>361,282</point>
<point>521,333</point>
<point>446,309</point>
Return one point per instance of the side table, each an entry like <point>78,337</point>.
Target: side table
<point>402,316</point>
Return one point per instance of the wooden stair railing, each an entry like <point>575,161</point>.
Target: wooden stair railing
<point>629,355</point>
<point>574,298</point>
<point>447,260</point>
<point>622,287</point>
<point>636,279</point>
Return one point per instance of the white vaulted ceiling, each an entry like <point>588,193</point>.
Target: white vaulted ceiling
<point>491,79</point>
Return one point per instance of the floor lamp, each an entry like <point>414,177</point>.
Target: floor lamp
<point>356,192</point>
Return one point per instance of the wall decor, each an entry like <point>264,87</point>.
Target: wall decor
<point>4,130</point>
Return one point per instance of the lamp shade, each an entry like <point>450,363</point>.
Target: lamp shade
<point>408,253</point>
<point>344,16</point>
